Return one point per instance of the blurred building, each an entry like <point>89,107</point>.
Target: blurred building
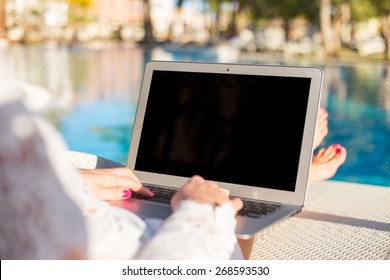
<point>36,20</point>
<point>129,15</point>
<point>119,11</point>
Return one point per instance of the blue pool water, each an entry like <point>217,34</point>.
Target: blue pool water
<point>104,85</point>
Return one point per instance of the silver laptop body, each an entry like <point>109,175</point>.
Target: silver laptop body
<point>250,128</point>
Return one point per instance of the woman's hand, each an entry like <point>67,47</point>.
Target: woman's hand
<point>201,191</point>
<point>114,183</point>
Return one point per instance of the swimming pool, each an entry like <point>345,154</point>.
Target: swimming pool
<point>97,92</point>
<point>359,108</point>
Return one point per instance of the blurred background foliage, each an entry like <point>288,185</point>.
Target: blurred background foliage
<point>333,25</point>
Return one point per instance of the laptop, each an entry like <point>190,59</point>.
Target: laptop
<point>248,127</point>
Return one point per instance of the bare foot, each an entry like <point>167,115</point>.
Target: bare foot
<point>321,127</point>
<point>326,162</point>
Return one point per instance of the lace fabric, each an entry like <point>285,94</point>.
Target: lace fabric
<point>194,231</point>
<point>38,219</point>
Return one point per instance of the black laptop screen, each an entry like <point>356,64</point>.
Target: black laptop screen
<point>242,129</point>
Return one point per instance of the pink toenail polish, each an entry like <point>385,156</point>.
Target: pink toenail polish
<point>126,194</point>
<point>338,151</point>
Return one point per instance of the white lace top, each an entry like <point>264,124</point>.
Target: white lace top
<point>48,212</point>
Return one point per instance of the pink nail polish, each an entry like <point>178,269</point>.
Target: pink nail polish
<point>126,194</point>
<point>338,151</point>
<point>151,192</point>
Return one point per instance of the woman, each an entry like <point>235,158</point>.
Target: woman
<point>48,211</point>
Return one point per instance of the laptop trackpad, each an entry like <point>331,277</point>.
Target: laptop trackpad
<point>145,209</point>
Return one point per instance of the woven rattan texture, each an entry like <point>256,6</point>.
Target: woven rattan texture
<point>340,221</point>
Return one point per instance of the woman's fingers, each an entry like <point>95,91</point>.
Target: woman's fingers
<point>120,171</point>
<point>120,183</point>
<point>114,184</point>
<point>201,191</point>
<point>237,204</point>
<point>111,193</point>
<point>127,173</point>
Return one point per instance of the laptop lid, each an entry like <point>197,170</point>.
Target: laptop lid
<point>248,127</point>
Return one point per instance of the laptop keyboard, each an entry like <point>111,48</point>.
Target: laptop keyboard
<point>251,208</point>
<point>257,209</point>
<point>162,195</point>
